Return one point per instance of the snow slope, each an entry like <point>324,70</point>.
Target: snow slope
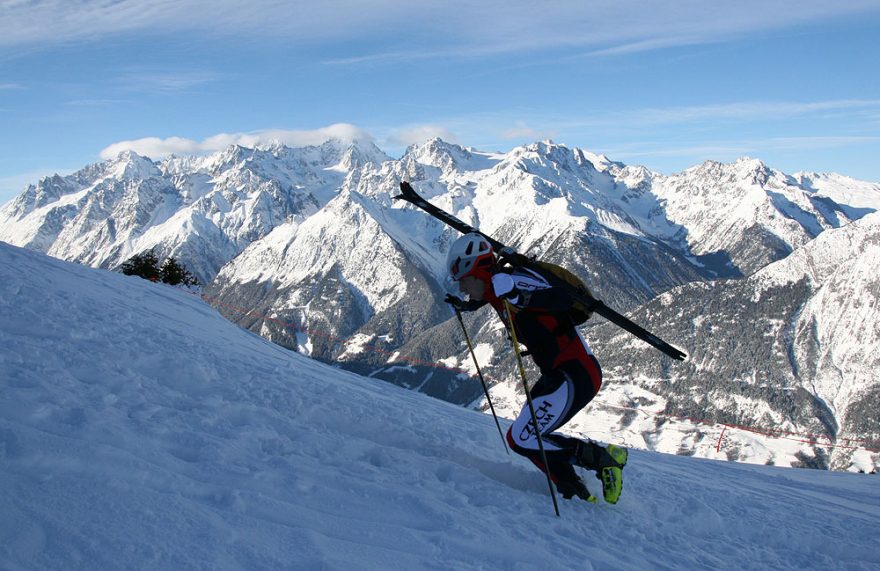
<point>140,430</point>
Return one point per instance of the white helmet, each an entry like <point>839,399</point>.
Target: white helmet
<point>469,255</point>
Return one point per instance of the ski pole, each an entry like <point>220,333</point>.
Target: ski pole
<point>522,372</point>
<point>480,373</point>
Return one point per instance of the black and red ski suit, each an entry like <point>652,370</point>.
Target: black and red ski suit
<point>570,374</point>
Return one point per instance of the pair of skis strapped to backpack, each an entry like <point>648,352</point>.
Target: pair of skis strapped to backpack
<point>408,194</point>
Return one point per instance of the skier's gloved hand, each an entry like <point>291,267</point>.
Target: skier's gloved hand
<point>455,302</point>
<point>462,305</point>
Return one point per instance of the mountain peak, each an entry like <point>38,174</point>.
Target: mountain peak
<point>228,157</point>
<point>360,153</point>
<point>741,167</point>
<point>439,153</point>
<point>750,164</point>
<point>274,146</point>
<point>545,147</point>
<point>570,159</point>
<point>436,145</point>
<point>129,165</point>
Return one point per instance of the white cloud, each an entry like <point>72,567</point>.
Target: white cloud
<point>861,110</point>
<point>747,110</point>
<point>521,131</point>
<point>166,82</point>
<point>401,29</point>
<point>813,143</point>
<point>415,134</point>
<point>62,21</point>
<point>155,147</point>
<point>729,150</point>
<point>84,103</point>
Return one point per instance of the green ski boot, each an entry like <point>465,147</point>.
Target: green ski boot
<point>612,476</point>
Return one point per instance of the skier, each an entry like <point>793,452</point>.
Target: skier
<point>570,374</point>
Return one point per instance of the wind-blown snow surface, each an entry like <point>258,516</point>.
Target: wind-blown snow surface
<point>140,430</point>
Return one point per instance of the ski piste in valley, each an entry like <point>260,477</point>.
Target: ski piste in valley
<point>140,429</point>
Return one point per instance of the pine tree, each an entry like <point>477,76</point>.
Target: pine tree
<point>145,265</point>
<point>175,274</point>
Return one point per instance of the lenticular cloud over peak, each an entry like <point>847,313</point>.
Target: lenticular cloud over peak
<point>156,148</point>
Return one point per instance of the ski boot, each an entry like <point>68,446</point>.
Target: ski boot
<point>608,464</point>
<point>612,476</point>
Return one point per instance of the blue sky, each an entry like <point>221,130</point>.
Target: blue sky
<point>662,84</point>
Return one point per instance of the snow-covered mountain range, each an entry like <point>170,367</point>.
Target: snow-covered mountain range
<point>204,211</point>
<point>791,348</point>
<point>307,247</point>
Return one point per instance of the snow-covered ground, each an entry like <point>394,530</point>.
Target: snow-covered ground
<point>140,430</point>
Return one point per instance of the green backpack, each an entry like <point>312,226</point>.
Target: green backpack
<point>580,311</point>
